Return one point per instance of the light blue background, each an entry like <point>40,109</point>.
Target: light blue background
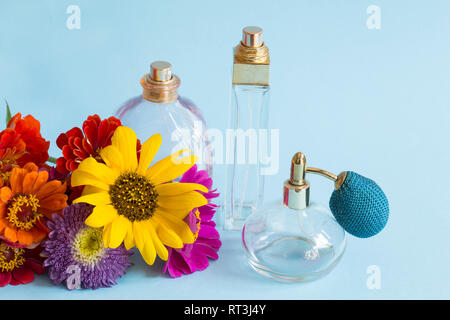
<point>373,101</point>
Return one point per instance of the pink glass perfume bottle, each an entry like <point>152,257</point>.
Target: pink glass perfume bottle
<point>161,110</point>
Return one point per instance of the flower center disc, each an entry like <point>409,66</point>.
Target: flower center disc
<point>22,211</point>
<point>199,222</point>
<point>88,246</point>
<point>10,258</point>
<point>134,196</point>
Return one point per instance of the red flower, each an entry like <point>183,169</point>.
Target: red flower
<point>21,142</point>
<point>12,147</point>
<point>77,144</point>
<point>28,130</point>
<point>10,139</point>
<point>18,265</point>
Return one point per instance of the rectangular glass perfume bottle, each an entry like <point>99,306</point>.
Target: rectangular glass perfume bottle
<point>248,118</point>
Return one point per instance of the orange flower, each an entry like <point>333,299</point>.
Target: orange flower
<point>26,204</point>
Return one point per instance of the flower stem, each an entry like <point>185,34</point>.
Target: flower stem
<point>51,160</point>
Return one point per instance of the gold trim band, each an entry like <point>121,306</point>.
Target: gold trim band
<point>251,55</point>
<point>160,91</point>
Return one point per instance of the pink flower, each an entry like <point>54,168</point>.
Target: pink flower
<point>195,257</point>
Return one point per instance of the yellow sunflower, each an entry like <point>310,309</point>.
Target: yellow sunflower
<point>135,204</point>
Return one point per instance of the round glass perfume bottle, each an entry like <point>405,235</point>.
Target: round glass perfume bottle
<point>293,240</point>
<point>161,110</point>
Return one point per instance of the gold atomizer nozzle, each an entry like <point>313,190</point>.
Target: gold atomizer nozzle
<point>160,85</point>
<point>297,189</point>
<point>251,59</point>
<point>298,169</point>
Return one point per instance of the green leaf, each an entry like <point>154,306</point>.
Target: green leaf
<point>8,112</point>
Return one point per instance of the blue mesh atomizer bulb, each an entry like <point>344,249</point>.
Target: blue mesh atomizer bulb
<point>357,203</point>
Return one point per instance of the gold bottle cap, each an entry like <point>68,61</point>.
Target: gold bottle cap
<point>160,85</point>
<point>161,71</point>
<point>252,36</point>
<point>251,49</point>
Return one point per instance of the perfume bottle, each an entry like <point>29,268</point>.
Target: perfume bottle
<point>248,116</point>
<point>294,240</point>
<point>161,110</point>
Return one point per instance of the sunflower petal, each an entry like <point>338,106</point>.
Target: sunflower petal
<point>96,199</point>
<point>149,249</point>
<point>162,164</point>
<point>167,235</point>
<point>106,235</point>
<point>125,140</point>
<point>138,236</point>
<point>161,250</point>
<point>91,189</point>
<point>129,238</point>
<point>180,227</point>
<point>174,169</point>
<point>188,201</point>
<point>143,243</point>
<point>112,157</point>
<point>81,178</point>
<point>101,216</point>
<point>99,170</point>
<point>178,213</point>
<point>175,188</point>
<point>118,231</point>
<point>148,152</point>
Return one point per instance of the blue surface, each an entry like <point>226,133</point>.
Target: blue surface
<point>331,77</point>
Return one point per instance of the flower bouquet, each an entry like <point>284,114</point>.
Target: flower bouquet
<point>79,220</point>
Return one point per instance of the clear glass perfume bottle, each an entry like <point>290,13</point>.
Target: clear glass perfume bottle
<point>161,110</point>
<point>294,240</point>
<point>248,116</point>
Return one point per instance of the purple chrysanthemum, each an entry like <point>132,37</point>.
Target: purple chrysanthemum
<point>75,252</point>
<point>194,257</point>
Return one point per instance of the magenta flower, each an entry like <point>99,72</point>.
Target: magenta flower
<point>195,257</point>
